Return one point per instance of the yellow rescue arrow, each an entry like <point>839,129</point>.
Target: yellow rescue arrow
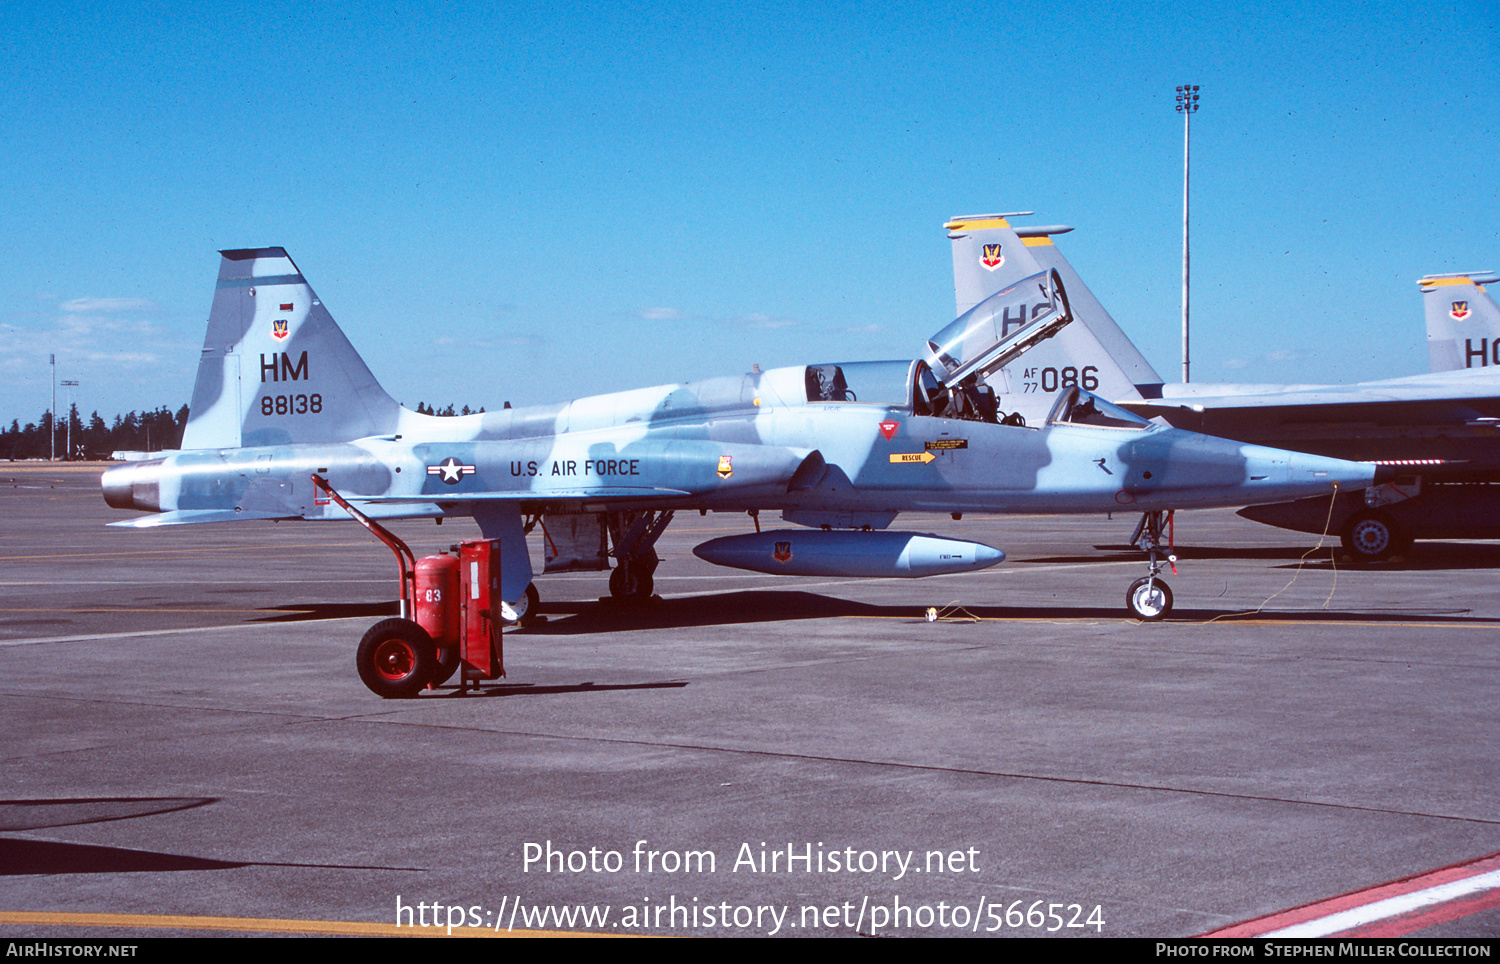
<point>912,457</point>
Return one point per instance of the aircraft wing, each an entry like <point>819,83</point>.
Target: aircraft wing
<point>614,493</point>
<point>1448,417</point>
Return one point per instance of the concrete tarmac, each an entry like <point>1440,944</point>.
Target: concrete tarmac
<point>187,748</point>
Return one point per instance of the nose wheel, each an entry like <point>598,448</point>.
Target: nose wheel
<point>1149,599</point>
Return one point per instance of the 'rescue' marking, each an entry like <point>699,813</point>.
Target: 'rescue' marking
<point>905,457</point>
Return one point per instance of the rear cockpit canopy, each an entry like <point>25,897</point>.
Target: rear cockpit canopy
<point>868,383</point>
<point>906,386</point>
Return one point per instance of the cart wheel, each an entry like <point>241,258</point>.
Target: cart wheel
<point>1148,599</point>
<point>396,658</point>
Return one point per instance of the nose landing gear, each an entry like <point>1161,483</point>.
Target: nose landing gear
<point>1150,599</point>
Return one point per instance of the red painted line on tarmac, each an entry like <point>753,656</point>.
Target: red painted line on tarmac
<point>1257,926</point>
<point>1420,920</point>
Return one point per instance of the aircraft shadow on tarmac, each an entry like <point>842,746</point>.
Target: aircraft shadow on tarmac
<point>24,857</point>
<point>526,689</point>
<point>747,607</point>
<point>761,606</point>
<point>302,612</point>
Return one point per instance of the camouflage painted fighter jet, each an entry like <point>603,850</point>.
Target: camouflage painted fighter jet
<point>1438,430</point>
<point>838,449</point>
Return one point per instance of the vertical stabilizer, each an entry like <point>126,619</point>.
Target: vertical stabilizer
<point>1463,322</point>
<point>988,254</point>
<point>275,368</point>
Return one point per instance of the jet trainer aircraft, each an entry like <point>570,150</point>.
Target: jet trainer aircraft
<point>839,449</point>
<point>1437,430</point>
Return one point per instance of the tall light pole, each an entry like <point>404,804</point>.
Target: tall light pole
<point>1187,106</point>
<point>69,384</point>
<point>52,415</point>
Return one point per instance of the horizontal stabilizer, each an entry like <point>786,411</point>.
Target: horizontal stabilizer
<point>182,517</point>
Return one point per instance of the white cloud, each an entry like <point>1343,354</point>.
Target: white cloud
<point>662,314</point>
<point>89,306</point>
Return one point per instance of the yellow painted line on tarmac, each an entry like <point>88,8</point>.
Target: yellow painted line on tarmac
<point>264,925</point>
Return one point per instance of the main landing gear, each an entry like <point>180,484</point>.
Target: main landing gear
<point>634,536</point>
<point>1150,599</point>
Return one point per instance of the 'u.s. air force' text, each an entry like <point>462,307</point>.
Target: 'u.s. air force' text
<point>571,466</point>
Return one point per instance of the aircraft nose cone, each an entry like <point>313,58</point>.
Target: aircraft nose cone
<point>1273,474</point>
<point>1318,469</point>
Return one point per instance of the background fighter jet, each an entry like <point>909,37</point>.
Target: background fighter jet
<point>282,395</point>
<point>1437,430</point>
<point>1463,322</point>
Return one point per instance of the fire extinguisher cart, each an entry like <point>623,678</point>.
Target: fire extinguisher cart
<point>450,616</point>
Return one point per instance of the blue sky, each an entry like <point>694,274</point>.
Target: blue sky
<point>532,203</point>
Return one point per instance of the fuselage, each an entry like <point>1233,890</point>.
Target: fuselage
<point>763,441</point>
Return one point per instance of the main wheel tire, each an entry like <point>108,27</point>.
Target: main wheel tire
<point>396,658</point>
<point>618,581</point>
<point>1372,536</point>
<point>526,605</point>
<point>1149,599</point>
<point>632,579</point>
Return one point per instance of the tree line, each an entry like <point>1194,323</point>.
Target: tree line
<point>94,438</point>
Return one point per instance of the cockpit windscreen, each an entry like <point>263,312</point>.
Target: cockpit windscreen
<point>1078,407</point>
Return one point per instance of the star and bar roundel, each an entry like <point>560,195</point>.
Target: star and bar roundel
<point>450,470</point>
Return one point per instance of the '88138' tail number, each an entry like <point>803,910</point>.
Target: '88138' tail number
<point>291,404</point>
